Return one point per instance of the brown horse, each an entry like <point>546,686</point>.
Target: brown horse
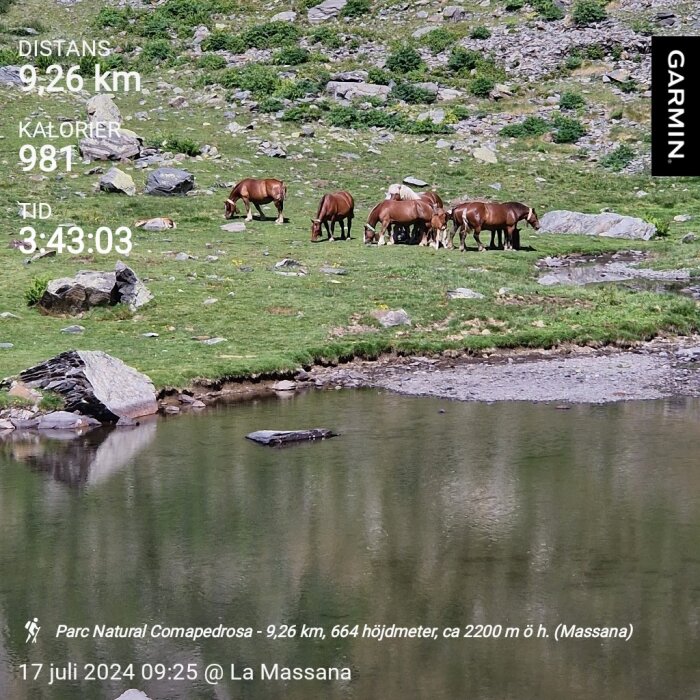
<point>403,192</point>
<point>413,212</point>
<point>337,206</point>
<point>494,217</point>
<point>257,192</point>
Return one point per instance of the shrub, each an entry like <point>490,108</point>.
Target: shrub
<point>212,62</point>
<point>9,57</point>
<point>260,80</point>
<point>437,40</point>
<point>404,59</point>
<point>481,86</point>
<point>573,61</point>
<point>179,144</point>
<point>422,126</point>
<point>531,126</point>
<point>291,56</point>
<point>302,113</point>
<point>568,130</point>
<point>36,290</point>
<point>629,86</point>
<point>378,76</point>
<point>547,10</point>
<point>413,94</point>
<point>463,59</point>
<point>594,52</point>
<point>327,37</point>
<point>662,225</point>
<point>187,12</point>
<point>356,8</point>
<point>514,5</point>
<point>571,100</point>
<point>270,35</point>
<point>618,159</point>
<point>588,11</point>
<point>156,25</point>
<point>480,32</point>
<point>113,18</point>
<point>158,50</point>
<point>460,112</point>
<point>270,104</point>
<point>617,113</point>
<point>223,41</point>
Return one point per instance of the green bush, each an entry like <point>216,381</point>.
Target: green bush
<point>629,86</point>
<point>530,126</point>
<point>155,25</point>
<point>573,61</point>
<point>567,129</point>
<point>422,126</point>
<point>463,59</point>
<point>36,290</point>
<point>223,41</point>
<point>662,225</point>
<point>588,11</point>
<point>514,5</point>
<point>480,32</point>
<point>270,35</point>
<point>547,10</point>
<point>356,8</point>
<point>212,62</point>
<point>437,40</point>
<point>10,57</point>
<point>378,76</point>
<point>113,18</point>
<point>302,113</point>
<point>413,94</point>
<point>594,52</point>
<point>481,86</point>
<point>326,37</point>
<point>187,12</point>
<point>571,100</point>
<point>291,56</point>
<point>179,144</point>
<point>270,104</point>
<point>460,112</point>
<point>404,59</point>
<point>259,79</point>
<point>158,50</point>
<point>618,159</point>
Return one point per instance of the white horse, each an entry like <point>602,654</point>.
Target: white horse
<point>403,191</point>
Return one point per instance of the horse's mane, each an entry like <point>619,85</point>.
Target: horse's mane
<point>404,191</point>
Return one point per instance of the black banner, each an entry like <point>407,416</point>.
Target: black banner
<point>675,116</point>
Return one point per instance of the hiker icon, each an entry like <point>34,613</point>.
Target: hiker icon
<point>32,628</point>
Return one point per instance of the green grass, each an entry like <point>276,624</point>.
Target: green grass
<point>275,323</point>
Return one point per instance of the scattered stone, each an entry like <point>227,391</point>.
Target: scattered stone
<point>454,13</point>
<point>273,150</point>
<point>210,301</point>
<point>235,227</point>
<point>608,225</point>
<point>284,437</point>
<point>349,91</point>
<point>7,314</point>
<point>619,76</point>
<point>75,329</point>
<point>213,341</point>
<point>115,180</point>
<point>6,425</point>
<point>288,16</point>
<point>351,76</point>
<point>391,317</point>
<point>178,102</point>
<point>169,181</point>
<point>6,346</point>
<point>689,354</point>
<point>464,293</point>
<point>160,223</point>
<point>325,11</point>
<point>150,334</point>
<point>327,270</point>
<point>101,109</point>
<point>22,391</point>
<point>284,385</point>
<point>682,218</point>
<point>182,257</point>
<point>495,186</point>
<point>9,75</point>
<point>414,181</point>
<point>172,409</point>
<point>689,238</point>
<point>96,384</point>
<point>485,155</point>
<point>290,268</point>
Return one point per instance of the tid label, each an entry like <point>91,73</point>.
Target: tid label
<point>675,106</point>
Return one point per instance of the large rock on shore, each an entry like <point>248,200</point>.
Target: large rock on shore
<point>90,288</point>
<point>95,384</point>
<point>607,225</point>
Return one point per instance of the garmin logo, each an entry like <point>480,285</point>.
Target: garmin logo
<point>675,148</point>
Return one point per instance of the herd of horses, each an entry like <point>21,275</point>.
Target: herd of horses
<point>404,216</point>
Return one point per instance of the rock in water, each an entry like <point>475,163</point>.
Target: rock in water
<point>608,225</point>
<point>284,437</point>
<point>115,180</point>
<point>90,288</point>
<point>169,181</point>
<point>96,384</point>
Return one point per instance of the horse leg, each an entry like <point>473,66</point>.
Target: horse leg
<point>493,238</point>
<point>279,205</point>
<point>248,210</point>
<point>328,231</point>
<point>341,222</point>
<point>509,238</point>
<point>260,211</point>
<point>516,238</point>
<point>332,235</point>
<point>477,231</point>
<point>349,226</point>
<point>462,236</point>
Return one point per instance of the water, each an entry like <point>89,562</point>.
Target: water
<point>510,514</point>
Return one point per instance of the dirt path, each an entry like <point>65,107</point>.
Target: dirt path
<point>659,369</point>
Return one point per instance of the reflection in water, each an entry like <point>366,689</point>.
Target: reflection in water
<point>504,514</point>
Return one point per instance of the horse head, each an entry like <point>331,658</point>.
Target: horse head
<point>230,209</point>
<point>370,233</point>
<point>315,229</point>
<point>532,219</point>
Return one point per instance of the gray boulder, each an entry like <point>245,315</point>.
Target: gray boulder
<point>288,16</point>
<point>283,437</point>
<point>115,180</point>
<point>607,225</point>
<point>454,13</point>
<point>167,182</point>
<point>9,75</point>
<point>102,110</point>
<point>353,90</point>
<point>351,76</point>
<point>63,420</point>
<point>414,181</point>
<point>90,288</point>
<point>121,144</point>
<point>96,384</point>
<point>391,317</point>
<point>325,11</point>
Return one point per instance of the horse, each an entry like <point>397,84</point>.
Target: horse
<point>494,217</point>
<point>337,206</point>
<point>257,191</point>
<point>407,212</point>
<point>403,192</point>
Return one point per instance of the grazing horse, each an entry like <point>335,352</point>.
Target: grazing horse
<point>403,192</point>
<point>337,206</point>
<point>494,217</point>
<point>257,192</point>
<point>406,213</point>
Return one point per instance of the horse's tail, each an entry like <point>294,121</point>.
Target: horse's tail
<point>283,190</point>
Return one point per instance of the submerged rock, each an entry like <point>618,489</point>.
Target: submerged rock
<point>284,437</point>
<point>96,384</point>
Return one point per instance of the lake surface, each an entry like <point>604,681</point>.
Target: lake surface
<point>506,514</point>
